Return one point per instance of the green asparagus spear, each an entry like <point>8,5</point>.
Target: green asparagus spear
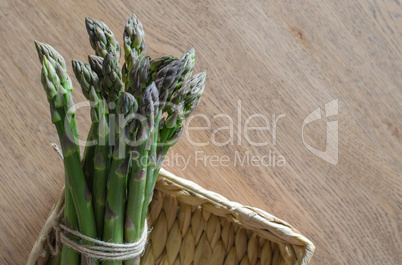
<point>134,42</point>
<point>140,160</point>
<point>76,181</point>
<point>141,163</point>
<point>61,100</point>
<point>68,255</point>
<point>90,85</point>
<point>55,94</point>
<point>87,81</point>
<point>102,38</point>
<point>89,151</point>
<point>115,201</point>
<point>56,84</point>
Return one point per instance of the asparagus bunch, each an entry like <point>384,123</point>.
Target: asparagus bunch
<point>137,114</point>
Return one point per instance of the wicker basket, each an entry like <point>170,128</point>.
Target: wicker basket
<point>191,225</point>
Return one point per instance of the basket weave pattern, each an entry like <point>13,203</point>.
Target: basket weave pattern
<point>193,226</point>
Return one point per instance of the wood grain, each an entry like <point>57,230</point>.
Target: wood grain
<point>277,57</point>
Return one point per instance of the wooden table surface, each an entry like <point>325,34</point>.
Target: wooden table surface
<point>267,60</point>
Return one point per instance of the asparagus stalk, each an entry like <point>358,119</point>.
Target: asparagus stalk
<point>141,162</point>
<point>90,85</point>
<point>68,255</point>
<point>114,215</point>
<point>87,80</point>
<point>54,94</point>
<point>57,84</point>
<point>89,151</point>
<point>102,38</point>
<point>135,84</point>
<point>173,139</point>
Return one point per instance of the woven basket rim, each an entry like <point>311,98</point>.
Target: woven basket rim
<point>262,223</point>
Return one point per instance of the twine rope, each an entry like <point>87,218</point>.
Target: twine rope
<point>101,250</point>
